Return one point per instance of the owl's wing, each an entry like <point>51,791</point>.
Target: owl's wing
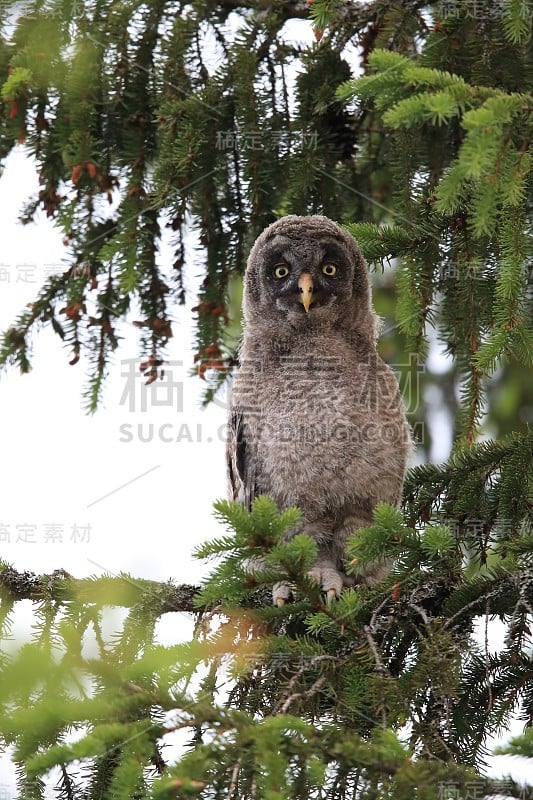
<point>241,473</point>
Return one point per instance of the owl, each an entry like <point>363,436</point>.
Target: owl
<point>316,418</point>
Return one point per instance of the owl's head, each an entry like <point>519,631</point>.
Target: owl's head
<point>307,272</point>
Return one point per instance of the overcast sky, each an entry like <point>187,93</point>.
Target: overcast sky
<point>129,488</point>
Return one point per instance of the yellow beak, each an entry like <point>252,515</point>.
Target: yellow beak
<point>305,286</point>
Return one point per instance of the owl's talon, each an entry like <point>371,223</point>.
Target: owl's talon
<point>280,594</point>
<point>328,577</point>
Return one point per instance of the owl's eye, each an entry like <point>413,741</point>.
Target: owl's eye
<point>281,271</point>
<point>329,270</point>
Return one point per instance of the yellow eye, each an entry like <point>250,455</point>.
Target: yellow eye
<point>329,270</point>
<point>281,271</point>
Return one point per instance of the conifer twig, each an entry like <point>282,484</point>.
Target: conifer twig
<point>234,776</point>
<point>380,666</point>
<point>317,685</point>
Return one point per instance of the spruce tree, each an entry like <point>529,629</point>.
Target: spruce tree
<point>206,114</point>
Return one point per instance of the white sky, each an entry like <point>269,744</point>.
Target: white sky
<point>62,462</point>
<point>147,504</point>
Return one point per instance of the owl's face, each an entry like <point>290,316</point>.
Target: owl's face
<point>303,272</point>
<point>300,280</point>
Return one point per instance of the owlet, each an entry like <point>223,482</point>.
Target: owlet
<point>316,417</point>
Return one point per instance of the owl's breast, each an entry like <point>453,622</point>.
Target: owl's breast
<point>325,433</point>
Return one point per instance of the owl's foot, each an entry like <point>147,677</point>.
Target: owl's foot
<point>280,594</point>
<point>331,595</point>
<point>331,580</point>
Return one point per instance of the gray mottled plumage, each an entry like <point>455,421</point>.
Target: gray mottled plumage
<point>316,416</point>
